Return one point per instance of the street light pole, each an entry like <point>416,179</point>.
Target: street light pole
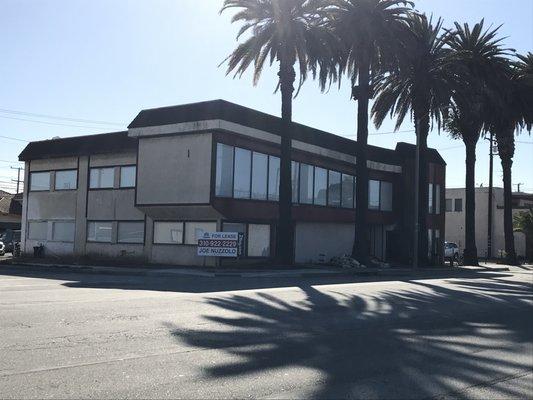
<point>417,190</point>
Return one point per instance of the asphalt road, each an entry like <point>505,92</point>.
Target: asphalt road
<point>68,335</point>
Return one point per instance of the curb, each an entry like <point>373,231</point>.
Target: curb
<point>391,272</point>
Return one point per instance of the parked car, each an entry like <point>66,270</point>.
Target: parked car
<point>9,241</point>
<point>451,252</point>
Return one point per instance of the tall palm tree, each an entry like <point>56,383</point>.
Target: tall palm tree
<point>367,33</point>
<point>421,86</point>
<point>513,112</point>
<point>480,63</point>
<point>286,32</point>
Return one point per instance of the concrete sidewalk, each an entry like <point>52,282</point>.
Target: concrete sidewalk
<point>267,272</point>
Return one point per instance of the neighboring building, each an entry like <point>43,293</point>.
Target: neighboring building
<point>455,220</point>
<point>10,211</point>
<point>214,166</point>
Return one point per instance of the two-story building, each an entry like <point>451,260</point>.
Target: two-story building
<point>149,192</point>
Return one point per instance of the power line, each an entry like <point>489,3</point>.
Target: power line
<point>13,138</point>
<point>50,123</point>
<point>48,116</point>
<point>11,162</point>
<point>383,133</point>
<point>449,148</point>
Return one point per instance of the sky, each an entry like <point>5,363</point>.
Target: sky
<point>102,61</point>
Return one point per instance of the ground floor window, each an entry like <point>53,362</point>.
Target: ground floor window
<point>130,232</point>
<point>63,231</point>
<point>99,231</point>
<point>195,230</point>
<point>258,240</point>
<point>377,242</point>
<point>168,232</point>
<point>37,230</point>
<point>256,237</point>
<point>178,232</point>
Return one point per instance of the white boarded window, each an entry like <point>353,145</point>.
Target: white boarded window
<point>39,181</point>
<point>63,231</point>
<point>98,231</point>
<point>168,232</point>
<point>127,176</point>
<point>102,178</point>
<point>386,196</point>
<point>37,230</point>
<point>195,230</point>
<point>66,180</point>
<point>130,232</point>
<point>258,240</point>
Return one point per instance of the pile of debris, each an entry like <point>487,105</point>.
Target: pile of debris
<point>346,261</point>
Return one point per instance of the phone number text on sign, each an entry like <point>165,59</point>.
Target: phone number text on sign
<point>218,244</point>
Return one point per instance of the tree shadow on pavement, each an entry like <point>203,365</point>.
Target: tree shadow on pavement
<point>427,340</point>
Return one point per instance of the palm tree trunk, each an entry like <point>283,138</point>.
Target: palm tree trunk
<point>361,243</point>
<point>506,152</point>
<point>470,252</point>
<point>285,235</point>
<point>423,190</point>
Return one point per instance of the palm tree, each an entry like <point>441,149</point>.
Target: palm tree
<point>480,63</point>
<point>367,33</point>
<point>513,112</point>
<point>421,86</point>
<point>289,33</point>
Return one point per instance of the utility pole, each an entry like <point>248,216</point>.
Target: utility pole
<point>18,177</point>
<point>489,227</point>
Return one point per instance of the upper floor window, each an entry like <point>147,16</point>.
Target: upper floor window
<point>39,181</point>
<point>458,205</point>
<point>449,205</point>
<point>437,199</point>
<point>128,176</point>
<point>102,178</point>
<point>334,189</point>
<point>320,186</point>
<point>430,198</point>
<point>66,180</point>
<point>246,174</point>
<point>379,195</point>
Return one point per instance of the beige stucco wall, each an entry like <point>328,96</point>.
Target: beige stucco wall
<point>174,169</point>
<point>455,223</point>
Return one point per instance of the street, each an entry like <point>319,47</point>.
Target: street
<point>75,335</point>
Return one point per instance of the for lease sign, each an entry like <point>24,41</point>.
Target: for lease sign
<point>220,244</point>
